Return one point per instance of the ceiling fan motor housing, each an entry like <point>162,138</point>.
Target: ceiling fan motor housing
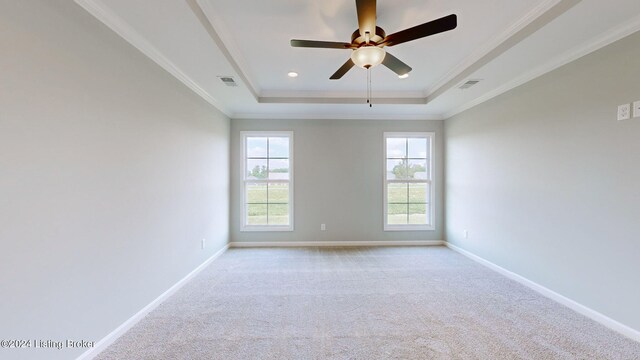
<point>360,40</point>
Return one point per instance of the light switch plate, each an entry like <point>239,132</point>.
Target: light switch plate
<point>624,112</point>
<point>636,109</point>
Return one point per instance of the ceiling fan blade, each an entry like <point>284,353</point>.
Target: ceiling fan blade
<point>431,28</point>
<point>366,16</point>
<point>395,64</point>
<point>343,70</point>
<point>320,44</point>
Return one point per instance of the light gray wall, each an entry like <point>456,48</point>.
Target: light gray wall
<point>547,182</point>
<point>338,170</point>
<point>111,172</point>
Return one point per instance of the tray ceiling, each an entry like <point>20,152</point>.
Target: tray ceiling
<point>501,42</point>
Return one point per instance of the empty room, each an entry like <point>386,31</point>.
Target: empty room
<point>338,179</point>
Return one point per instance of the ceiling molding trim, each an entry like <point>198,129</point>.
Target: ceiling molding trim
<point>200,13</point>
<point>338,94</point>
<point>308,116</point>
<point>537,18</point>
<point>493,43</point>
<point>124,30</point>
<point>341,100</point>
<point>614,34</point>
<point>224,35</point>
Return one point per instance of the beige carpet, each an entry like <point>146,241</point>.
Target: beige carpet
<point>362,303</point>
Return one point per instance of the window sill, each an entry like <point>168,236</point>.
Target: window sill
<point>250,228</point>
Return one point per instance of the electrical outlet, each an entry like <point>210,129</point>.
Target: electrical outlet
<point>624,112</point>
<point>204,243</point>
<point>636,109</point>
<point>466,234</point>
<point>323,227</point>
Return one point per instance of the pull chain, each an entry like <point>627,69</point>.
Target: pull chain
<point>368,75</point>
<point>369,92</point>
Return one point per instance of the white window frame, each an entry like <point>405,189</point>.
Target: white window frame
<point>410,227</point>
<point>243,208</point>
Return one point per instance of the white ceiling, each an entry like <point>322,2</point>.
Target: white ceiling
<point>502,42</point>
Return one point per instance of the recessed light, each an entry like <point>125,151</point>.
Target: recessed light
<point>403,76</point>
<point>292,74</point>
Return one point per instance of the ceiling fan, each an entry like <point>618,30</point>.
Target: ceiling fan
<point>369,40</point>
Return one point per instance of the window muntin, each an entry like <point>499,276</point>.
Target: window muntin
<point>408,188</point>
<point>267,181</point>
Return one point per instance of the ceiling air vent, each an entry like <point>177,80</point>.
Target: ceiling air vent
<point>228,80</point>
<point>468,84</point>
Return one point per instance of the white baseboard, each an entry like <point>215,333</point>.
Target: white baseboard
<point>120,330</point>
<point>573,305</point>
<point>249,244</point>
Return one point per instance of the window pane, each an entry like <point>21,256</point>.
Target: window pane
<point>278,169</point>
<point>266,181</point>
<point>397,193</point>
<point>417,148</point>
<point>256,169</point>
<point>396,169</point>
<point>396,148</point>
<point>418,214</point>
<point>278,147</point>
<point>408,161</point>
<point>257,147</point>
<point>278,214</point>
<point>256,214</point>
<point>418,193</point>
<point>397,214</point>
<point>418,169</point>
<point>279,193</point>
<point>256,193</point>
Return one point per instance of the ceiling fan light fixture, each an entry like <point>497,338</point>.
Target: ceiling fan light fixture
<point>403,76</point>
<point>292,74</point>
<point>368,56</point>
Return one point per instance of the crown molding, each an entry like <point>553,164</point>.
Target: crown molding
<point>614,34</point>
<point>532,21</point>
<point>536,19</point>
<point>203,10</point>
<point>308,116</point>
<point>321,94</point>
<point>101,12</point>
<point>341,100</point>
<point>493,43</point>
<point>223,32</point>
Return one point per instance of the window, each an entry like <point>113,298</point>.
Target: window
<point>408,184</point>
<point>267,181</point>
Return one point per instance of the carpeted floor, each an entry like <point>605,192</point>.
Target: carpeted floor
<point>362,303</point>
